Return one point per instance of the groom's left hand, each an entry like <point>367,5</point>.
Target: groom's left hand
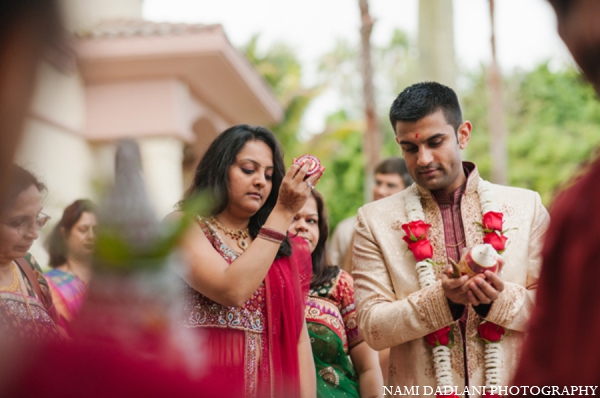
<point>486,288</point>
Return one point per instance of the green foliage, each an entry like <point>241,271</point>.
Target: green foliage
<point>553,120</point>
<point>282,71</point>
<point>340,151</point>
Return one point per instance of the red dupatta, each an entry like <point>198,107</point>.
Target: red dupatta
<point>287,284</point>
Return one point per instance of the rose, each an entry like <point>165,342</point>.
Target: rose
<point>490,332</point>
<point>439,337</point>
<point>492,221</point>
<point>421,249</point>
<point>416,230</point>
<point>497,240</point>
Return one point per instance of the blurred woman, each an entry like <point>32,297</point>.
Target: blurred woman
<point>246,280</point>
<point>346,366</point>
<point>26,309</point>
<point>71,246</point>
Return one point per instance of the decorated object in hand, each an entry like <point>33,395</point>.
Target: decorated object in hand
<point>313,162</point>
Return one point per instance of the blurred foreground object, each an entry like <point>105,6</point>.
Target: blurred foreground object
<point>28,28</point>
<point>558,350</point>
<point>126,342</point>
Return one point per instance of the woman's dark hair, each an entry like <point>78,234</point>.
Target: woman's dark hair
<point>322,270</point>
<point>19,180</point>
<point>212,174</point>
<point>55,243</point>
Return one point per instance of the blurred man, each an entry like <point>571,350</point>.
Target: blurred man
<point>558,351</point>
<point>391,176</point>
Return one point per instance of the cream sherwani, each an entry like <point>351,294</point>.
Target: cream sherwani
<point>394,312</point>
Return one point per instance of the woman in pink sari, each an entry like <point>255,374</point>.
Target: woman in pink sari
<point>71,246</point>
<point>247,281</point>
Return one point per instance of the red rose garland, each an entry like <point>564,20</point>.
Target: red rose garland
<point>417,232</point>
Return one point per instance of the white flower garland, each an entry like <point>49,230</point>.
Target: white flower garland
<point>441,353</point>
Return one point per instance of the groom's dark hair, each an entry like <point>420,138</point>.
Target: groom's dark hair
<point>423,99</point>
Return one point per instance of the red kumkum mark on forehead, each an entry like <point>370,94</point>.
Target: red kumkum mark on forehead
<point>417,135</point>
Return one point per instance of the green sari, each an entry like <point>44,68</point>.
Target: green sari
<point>330,317</point>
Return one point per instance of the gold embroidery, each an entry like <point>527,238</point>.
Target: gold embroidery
<point>475,353</point>
<point>252,347</point>
<point>397,225</point>
<point>504,309</point>
<point>329,375</point>
<point>375,332</point>
<point>471,215</point>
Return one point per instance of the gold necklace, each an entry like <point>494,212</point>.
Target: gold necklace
<point>14,286</point>
<point>239,235</point>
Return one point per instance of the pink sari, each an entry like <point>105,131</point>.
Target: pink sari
<point>255,347</point>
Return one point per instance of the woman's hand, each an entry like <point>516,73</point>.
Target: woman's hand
<point>295,189</point>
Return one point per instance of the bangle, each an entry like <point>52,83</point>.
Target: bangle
<point>271,234</point>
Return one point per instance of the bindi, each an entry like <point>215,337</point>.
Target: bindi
<point>417,135</point>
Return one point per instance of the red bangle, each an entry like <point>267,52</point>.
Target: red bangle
<point>271,234</point>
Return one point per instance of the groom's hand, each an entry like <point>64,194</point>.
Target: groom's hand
<point>456,289</point>
<point>485,289</point>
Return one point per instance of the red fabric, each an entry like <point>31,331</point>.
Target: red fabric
<point>80,369</point>
<point>562,345</point>
<point>285,308</point>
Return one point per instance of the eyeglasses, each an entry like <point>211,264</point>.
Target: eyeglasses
<point>24,225</point>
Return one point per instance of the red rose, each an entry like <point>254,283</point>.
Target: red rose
<point>497,240</point>
<point>439,337</point>
<point>492,221</point>
<point>416,230</point>
<point>421,249</point>
<point>490,332</point>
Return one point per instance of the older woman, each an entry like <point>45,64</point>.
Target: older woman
<point>71,246</point>
<point>26,309</point>
<point>346,366</point>
<point>246,281</point>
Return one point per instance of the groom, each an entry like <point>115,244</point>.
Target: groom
<point>398,304</point>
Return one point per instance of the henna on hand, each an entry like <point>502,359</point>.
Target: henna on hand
<point>289,199</point>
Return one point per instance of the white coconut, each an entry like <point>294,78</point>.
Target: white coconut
<point>485,255</point>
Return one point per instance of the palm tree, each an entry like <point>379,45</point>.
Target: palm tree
<point>372,139</point>
<point>497,128</point>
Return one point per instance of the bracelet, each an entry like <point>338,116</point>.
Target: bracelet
<point>271,234</point>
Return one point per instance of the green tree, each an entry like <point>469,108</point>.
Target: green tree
<point>340,143</point>
<point>282,71</point>
<point>554,122</point>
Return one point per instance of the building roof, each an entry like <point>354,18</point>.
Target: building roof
<point>139,28</point>
<point>201,56</point>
